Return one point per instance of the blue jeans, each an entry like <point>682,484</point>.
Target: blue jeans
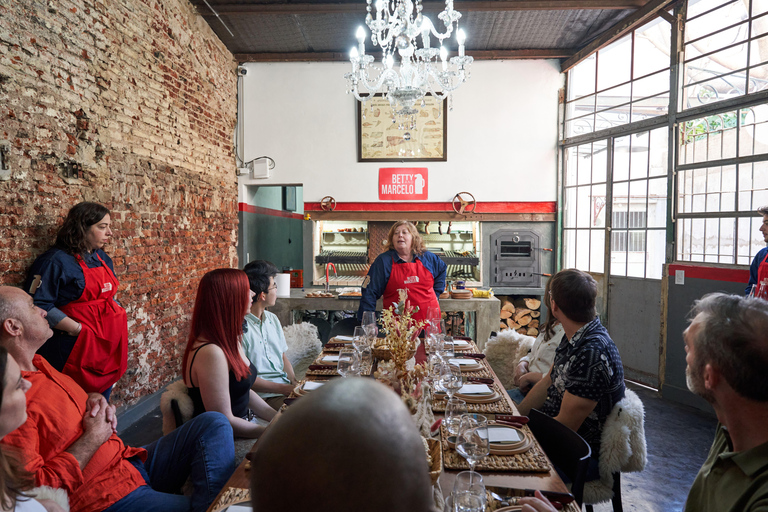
<point>516,395</point>
<point>202,450</point>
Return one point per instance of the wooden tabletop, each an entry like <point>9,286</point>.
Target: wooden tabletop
<point>551,481</point>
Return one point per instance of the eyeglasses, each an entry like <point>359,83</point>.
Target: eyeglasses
<point>273,287</point>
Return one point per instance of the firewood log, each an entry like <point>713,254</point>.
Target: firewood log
<point>523,330</point>
<point>503,326</point>
<point>524,320</point>
<point>532,304</point>
<point>533,324</point>
<point>535,314</point>
<point>512,324</point>
<point>532,331</point>
<point>508,306</point>
<point>519,313</point>
<point>505,314</point>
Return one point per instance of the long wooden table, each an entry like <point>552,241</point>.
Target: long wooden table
<point>520,480</point>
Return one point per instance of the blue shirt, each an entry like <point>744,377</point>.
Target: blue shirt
<point>61,280</point>
<point>378,276</point>
<point>753,268</point>
<point>264,344</point>
<point>588,366</point>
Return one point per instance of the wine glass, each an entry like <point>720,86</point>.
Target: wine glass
<point>349,362</point>
<point>369,325</point>
<point>469,492</point>
<point>450,378</point>
<point>473,443</point>
<point>445,349</point>
<point>363,347</point>
<point>455,408</point>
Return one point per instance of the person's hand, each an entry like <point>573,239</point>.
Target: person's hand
<point>537,504</point>
<point>97,403</point>
<point>527,381</point>
<point>96,427</point>
<point>51,506</point>
<point>520,370</point>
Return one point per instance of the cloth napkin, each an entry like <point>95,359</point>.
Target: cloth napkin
<point>334,359</point>
<point>475,389</point>
<point>312,385</point>
<point>503,435</point>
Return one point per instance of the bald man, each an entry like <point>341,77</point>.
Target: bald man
<point>349,446</point>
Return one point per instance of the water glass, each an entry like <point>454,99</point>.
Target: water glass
<point>469,492</point>
<point>369,318</point>
<point>362,345</point>
<point>450,378</point>
<point>349,362</point>
<point>473,443</point>
<point>445,350</point>
<point>455,408</point>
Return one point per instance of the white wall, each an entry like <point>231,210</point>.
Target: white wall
<point>502,132</point>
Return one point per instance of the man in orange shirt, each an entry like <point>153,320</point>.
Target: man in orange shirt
<point>69,440</point>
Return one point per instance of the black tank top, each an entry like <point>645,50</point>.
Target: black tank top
<point>238,390</point>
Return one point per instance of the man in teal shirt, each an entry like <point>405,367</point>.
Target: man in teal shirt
<point>263,338</point>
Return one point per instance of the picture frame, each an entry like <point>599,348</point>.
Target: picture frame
<point>381,140</point>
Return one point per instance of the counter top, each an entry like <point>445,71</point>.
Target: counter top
<point>487,310</point>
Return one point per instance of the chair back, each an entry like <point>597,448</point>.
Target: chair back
<point>565,448</point>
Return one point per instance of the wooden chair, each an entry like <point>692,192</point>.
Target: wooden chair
<point>565,448</point>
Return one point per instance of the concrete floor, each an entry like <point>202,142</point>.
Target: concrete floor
<point>678,439</point>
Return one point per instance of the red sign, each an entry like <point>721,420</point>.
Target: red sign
<point>403,183</point>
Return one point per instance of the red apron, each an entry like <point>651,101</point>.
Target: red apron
<point>100,355</point>
<point>762,273</point>
<point>419,282</point>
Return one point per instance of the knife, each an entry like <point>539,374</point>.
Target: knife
<point>472,356</point>
<point>479,380</point>
<point>508,493</point>
<point>322,367</point>
<point>514,419</point>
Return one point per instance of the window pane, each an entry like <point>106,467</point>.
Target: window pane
<point>581,79</point>
<point>657,243</point>
<point>657,203</point>
<point>569,209</point>
<point>658,152</point>
<point>597,259</point>
<point>583,202</point>
<point>717,18</point>
<point>599,161</point>
<point>744,249</point>
<point>697,239</point>
<point>727,232</point>
<point>638,167</point>
<point>598,206</point>
<point>569,248</point>
<point>571,165</point>
<point>618,252</point>
<point>711,240</point>
<point>621,158</point>
<point>651,48</point>
<point>581,106</point>
<point>585,164</point>
<point>582,245</point>
<point>614,63</point>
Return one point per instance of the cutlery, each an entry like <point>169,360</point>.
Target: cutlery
<point>479,380</point>
<point>511,418</point>
<point>509,423</point>
<point>505,493</point>
<point>322,367</point>
<point>471,356</point>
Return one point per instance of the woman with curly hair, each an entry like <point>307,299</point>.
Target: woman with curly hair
<point>406,265</point>
<point>75,283</point>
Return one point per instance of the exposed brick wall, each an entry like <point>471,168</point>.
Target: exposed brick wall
<point>141,96</point>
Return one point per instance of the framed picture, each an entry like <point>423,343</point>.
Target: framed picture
<point>381,140</point>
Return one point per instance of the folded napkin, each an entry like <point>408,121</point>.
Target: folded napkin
<point>463,362</point>
<point>475,389</point>
<point>344,338</point>
<point>503,435</point>
<point>459,343</point>
<point>312,385</point>
<point>334,359</point>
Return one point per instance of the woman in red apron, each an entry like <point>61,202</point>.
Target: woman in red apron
<point>758,271</point>
<point>75,283</point>
<point>406,265</point>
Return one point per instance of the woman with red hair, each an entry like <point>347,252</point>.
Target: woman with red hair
<point>216,371</point>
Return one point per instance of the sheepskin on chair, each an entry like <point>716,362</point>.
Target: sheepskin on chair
<point>178,391</point>
<point>304,346</point>
<point>504,352</point>
<point>622,446</point>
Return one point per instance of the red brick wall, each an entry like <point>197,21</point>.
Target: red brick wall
<point>142,96</point>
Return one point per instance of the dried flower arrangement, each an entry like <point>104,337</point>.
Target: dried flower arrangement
<point>401,332</point>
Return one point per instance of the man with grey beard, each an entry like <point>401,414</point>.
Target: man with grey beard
<point>727,356</point>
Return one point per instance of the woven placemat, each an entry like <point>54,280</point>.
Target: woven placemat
<point>366,370</point>
<point>533,460</point>
<point>500,407</point>
<point>231,497</point>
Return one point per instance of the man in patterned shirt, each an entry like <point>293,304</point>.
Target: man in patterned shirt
<point>587,378</point>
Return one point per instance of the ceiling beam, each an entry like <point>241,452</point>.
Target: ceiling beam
<point>466,6</point>
<point>622,28</point>
<point>561,53</point>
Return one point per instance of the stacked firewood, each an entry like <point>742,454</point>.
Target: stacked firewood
<point>522,315</point>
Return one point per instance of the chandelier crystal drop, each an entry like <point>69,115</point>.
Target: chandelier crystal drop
<point>396,27</point>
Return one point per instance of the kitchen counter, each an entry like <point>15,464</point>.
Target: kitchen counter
<point>486,310</point>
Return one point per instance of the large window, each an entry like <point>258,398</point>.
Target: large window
<point>625,82</point>
<point>633,168</point>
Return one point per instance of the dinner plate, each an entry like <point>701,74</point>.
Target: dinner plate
<point>497,449</point>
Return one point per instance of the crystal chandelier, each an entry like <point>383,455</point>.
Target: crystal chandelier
<point>397,26</point>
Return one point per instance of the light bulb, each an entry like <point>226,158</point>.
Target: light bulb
<point>360,34</point>
<point>461,36</point>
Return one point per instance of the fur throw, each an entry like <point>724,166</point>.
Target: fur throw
<point>622,446</point>
<point>175,391</point>
<point>504,352</point>
<point>304,346</point>
<point>58,496</point>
